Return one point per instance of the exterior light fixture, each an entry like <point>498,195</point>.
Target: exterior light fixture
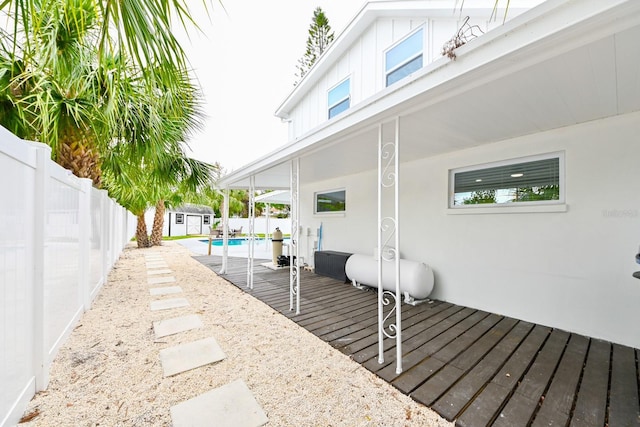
<point>516,175</point>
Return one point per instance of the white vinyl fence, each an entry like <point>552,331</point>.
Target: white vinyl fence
<point>262,225</point>
<point>59,238</point>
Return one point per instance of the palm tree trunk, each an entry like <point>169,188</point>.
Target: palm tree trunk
<point>158,223</point>
<point>77,152</point>
<point>141,233</point>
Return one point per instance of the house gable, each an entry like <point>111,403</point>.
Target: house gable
<point>358,54</point>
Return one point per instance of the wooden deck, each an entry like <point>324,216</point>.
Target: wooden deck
<point>471,366</point>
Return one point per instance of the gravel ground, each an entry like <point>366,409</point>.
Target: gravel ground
<point>108,373</point>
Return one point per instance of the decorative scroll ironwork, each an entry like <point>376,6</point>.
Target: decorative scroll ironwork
<point>294,268</point>
<point>388,230</point>
<point>389,328</point>
<point>387,162</point>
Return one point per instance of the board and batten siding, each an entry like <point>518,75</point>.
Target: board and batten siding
<point>571,270</point>
<point>363,62</point>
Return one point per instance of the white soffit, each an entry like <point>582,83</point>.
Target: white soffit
<point>278,196</point>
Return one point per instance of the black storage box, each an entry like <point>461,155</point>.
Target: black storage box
<point>331,264</point>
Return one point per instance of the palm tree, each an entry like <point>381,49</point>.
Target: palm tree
<point>51,90</point>
<point>137,187</point>
<point>69,67</point>
<point>141,28</point>
<point>188,176</point>
<point>146,164</point>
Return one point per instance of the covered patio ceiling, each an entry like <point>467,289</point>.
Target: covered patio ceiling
<point>543,70</point>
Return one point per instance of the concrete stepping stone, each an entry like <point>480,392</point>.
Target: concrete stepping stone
<point>151,265</point>
<point>231,405</point>
<point>167,290</point>
<point>185,357</point>
<point>166,304</point>
<point>159,280</point>
<point>154,257</point>
<point>163,328</point>
<point>155,272</point>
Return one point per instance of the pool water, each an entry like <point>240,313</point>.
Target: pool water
<point>239,241</point>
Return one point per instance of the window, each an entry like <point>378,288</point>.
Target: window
<point>537,179</point>
<point>404,58</point>
<point>330,201</point>
<point>179,218</point>
<point>206,219</point>
<point>339,98</point>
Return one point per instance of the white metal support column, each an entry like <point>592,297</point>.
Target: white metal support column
<point>294,267</point>
<point>252,222</point>
<point>389,243</point>
<point>225,231</point>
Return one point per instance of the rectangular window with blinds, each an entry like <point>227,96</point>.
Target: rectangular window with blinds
<point>530,180</point>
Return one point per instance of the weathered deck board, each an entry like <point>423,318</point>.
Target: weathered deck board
<point>522,405</point>
<point>470,385</point>
<point>450,374</point>
<point>557,403</point>
<point>477,368</point>
<point>623,398</point>
<point>591,405</point>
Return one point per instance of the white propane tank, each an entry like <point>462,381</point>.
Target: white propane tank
<point>416,278</point>
<point>276,242</point>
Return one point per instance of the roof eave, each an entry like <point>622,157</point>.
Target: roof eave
<point>476,61</point>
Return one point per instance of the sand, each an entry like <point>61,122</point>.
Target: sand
<point>108,372</point>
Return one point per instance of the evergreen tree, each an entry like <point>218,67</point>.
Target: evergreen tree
<point>320,37</point>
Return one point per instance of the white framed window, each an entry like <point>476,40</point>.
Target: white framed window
<point>330,202</point>
<point>339,97</point>
<point>405,57</point>
<point>206,219</point>
<point>527,181</point>
<point>179,218</point>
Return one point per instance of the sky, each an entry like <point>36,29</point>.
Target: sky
<point>245,62</point>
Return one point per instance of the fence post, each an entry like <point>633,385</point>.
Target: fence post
<point>40,358</point>
<point>84,224</point>
<point>104,236</point>
<point>114,230</point>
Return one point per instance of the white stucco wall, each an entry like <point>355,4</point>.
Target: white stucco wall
<point>570,270</point>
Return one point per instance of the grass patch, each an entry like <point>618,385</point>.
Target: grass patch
<point>191,236</point>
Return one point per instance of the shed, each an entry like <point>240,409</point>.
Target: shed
<point>185,220</point>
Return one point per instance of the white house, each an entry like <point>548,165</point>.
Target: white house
<point>539,116</point>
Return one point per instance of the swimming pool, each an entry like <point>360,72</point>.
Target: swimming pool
<point>240,241</point>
